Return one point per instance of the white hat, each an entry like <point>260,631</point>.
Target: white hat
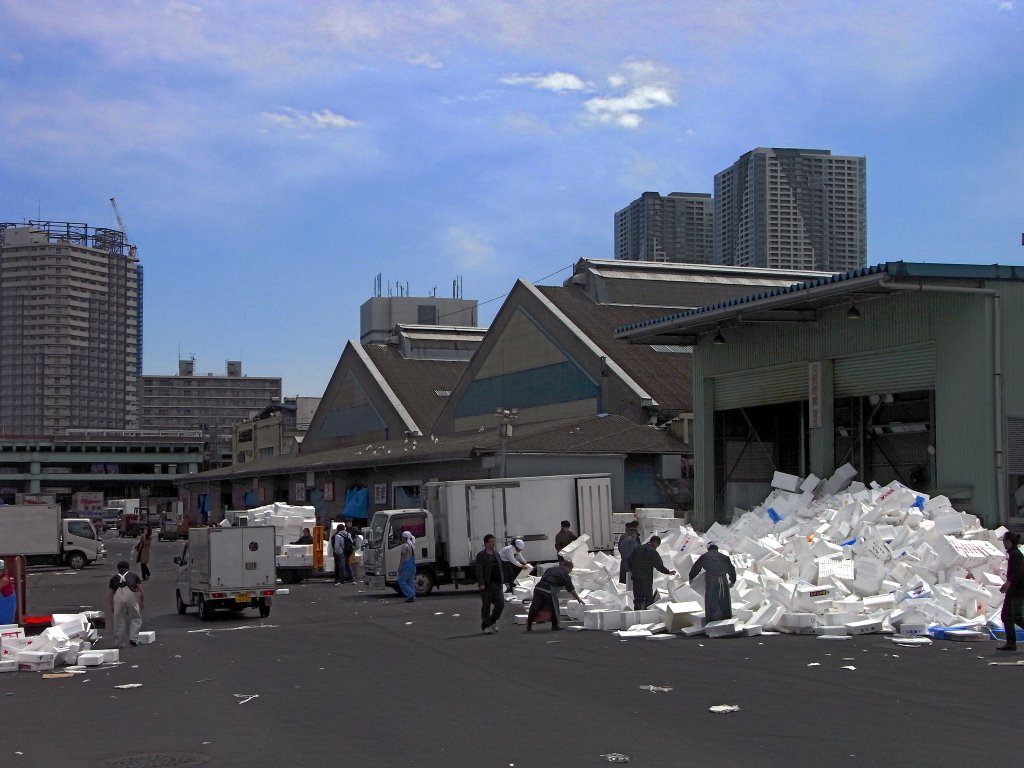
<point>519,543</point>
<point>407,535</point>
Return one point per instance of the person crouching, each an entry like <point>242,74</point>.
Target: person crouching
<point>545,595</point>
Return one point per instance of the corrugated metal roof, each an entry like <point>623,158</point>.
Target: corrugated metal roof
<point>894,269</point>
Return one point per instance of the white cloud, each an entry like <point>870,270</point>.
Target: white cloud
<point>470,248</point>
<point>325,118</point>
<point>624,111</point>
<point>555,81</point>
<point>425,60</point>
<point>1006,5</point>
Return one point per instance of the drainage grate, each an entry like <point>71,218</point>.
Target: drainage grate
<point>156,760</point>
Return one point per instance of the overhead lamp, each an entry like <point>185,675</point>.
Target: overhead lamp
<point>719,338</point>
<point>853,313</point>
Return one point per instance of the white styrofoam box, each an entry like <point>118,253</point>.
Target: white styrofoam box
<point>626,633</point>
<point>9,665</point>
<point>908,629</point>
<point>145,638</point>
<point>825,629</point>
<point>591,619</point>
<point>810,483</point>
<point>692,631</point>
<point>13,631</point>
<point>752,630</point>
<point>90,658</point>
<point>21,656</point>
<point>864,627</point>
<point>10,646</point>
<point>723,628</point>
<point>519,618</point>
<point>42,665</point>
<point>768,615</point>
<point>786,482</point>
<point>610,620</point>
<point>799,620</point>
<point>879,602</point>
<point>575,610</point>
<point>110,655</point>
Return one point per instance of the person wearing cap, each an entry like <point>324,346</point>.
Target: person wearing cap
<point>407,566</point>
<point>126,602</point>
<point>628,541</point>
<point>642,563</point>
<point>545,595</point>
<point>1012,614</point>
<point>512,563</point>
<point>720,576</point>
<point>8,599</point>
<point>489,581</point>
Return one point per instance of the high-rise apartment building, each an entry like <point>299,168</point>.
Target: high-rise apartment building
<point>211,404</point>
<point>792,209</point>
<point>70,328</point>
<point>677,227</point>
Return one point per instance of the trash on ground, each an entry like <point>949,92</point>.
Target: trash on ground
<point>656,688</point>
<point>616,757</point>
<point>245,697</point>
<point>724,708</point>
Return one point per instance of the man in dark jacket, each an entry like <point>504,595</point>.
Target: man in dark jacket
<point>564,537</point>
<point>720,576</point>
<point>545,594</point>
<point>1013,588</point>
<point>489,580</point>
<point>628,541</point>
<point>642,563</point>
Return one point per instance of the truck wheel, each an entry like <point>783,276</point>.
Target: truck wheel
<point>77,561</point>
<point>287,577</point>
<point>264,610</point>
<point>424,583</point>
<point>181,605</point>
<point>205,612</point>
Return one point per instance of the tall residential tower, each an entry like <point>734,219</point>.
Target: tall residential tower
<point>792,209</point>
<point>70,329</point>
<point>672,228</point>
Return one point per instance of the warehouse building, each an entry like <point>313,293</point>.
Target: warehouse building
<point>906,371</point>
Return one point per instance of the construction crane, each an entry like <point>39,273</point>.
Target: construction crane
<point>123,226</point>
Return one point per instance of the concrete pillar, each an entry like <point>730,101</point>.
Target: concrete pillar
<point>704,453</point>
<point>822,439</point>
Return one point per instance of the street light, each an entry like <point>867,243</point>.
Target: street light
<point>504,433</point>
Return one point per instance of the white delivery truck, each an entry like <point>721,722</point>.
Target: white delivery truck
<point>38,532</point>
<point>226,568</point>
<point>459,513</point>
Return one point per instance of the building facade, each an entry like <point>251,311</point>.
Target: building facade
<point>792,209</point>
<point>211,404</point>
<point>677,227</point>
<point>70,329</point>
<point>277,430</point>
<point>379,316</point>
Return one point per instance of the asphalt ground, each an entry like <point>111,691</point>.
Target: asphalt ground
<point>340,676</point>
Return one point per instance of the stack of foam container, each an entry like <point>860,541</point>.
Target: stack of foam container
<point>288,522</point>
<point>66,642</point>
<point>821,557</point>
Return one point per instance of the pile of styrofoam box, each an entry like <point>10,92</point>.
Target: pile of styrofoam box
<point>68,641</point>
<point>830,558</point>
<point>288,522</point>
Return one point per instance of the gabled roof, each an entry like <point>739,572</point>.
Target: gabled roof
<point>417,383</point>
<point>665,375</point>
<point>602,434</point>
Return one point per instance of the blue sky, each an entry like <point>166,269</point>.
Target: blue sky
<point>271,158</point>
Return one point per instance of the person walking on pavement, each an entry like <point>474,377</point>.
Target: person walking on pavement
<point>545,595</point>
<point>407,566</point>
<point>628,541</point>
<point>720,576</point>
<point>8,598</point>
<point>643,561</point>
<point>513,563</point>
<point>142,550</point>
<point>489,581</point>
<point>564,537</point>
<point>126,602</point>
<point>1012,614</point>
<point>341,548</point>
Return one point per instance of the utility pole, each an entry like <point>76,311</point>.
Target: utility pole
<point>504,433</point>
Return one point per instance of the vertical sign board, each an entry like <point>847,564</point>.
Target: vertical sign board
<point>814,394</point>
<point>300,492</point>
<point>329,490</point>
<point>380,493</point>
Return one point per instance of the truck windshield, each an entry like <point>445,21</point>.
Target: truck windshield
<point>377,526</point>
<point>81,528</point>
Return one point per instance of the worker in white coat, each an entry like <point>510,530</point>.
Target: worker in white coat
<point>512,563</point>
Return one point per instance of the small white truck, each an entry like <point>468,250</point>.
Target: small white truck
<point>38,532</point>
<point>226,568</point>
<point>458,514</point>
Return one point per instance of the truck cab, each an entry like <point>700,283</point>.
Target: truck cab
<point>384,537</point>
<point>82,544</point>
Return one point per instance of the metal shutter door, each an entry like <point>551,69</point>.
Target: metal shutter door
<point>894,370</point>
<point>768,386</point>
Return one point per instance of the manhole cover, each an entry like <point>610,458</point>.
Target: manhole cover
<point>156,760</point>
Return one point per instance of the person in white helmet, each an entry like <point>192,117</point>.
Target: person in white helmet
<point>512,563</point>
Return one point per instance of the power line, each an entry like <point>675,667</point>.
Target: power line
<point>505,295</point>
